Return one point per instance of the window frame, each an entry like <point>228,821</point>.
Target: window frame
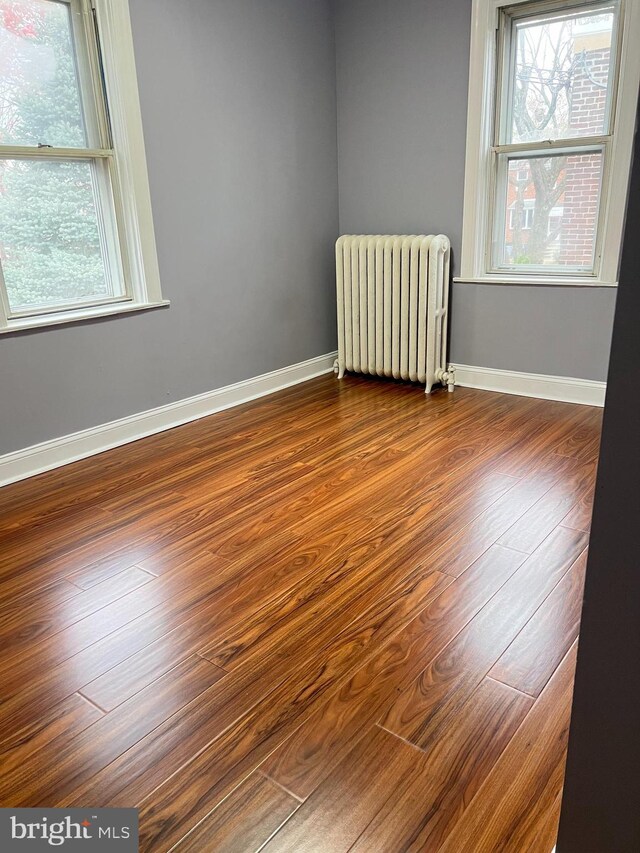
<point>111,106</point>
<point>486,89</point>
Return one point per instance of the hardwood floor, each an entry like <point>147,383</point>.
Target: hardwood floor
<point>340,618</point>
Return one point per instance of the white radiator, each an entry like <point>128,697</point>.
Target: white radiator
<point>393,302</point>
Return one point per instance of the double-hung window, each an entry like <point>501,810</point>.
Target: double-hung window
<point>76,233</point>
<point>552,104</point>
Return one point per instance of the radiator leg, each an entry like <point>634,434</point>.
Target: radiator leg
<point>338,369</point>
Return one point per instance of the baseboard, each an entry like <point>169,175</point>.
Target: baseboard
<point>70,448</point>
<point>587,392</point>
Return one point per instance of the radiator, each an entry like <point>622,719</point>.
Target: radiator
<point>393,301</point>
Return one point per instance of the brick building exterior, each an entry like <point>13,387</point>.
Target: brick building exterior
<point>583,174</point>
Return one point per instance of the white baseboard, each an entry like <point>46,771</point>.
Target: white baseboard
<point>587,392</point>
<point>70,448</point>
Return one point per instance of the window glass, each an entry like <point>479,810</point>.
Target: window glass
<point>552,216</point>
<point>40,102</point>
<point>51,234</point>
<point>560,78</point>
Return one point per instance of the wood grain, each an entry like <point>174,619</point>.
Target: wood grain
<point>454,674</point>
<point>538,522</point>
<point>536,652</point>
<point>579,516</point>
<point>72,755</point>
<point>250,815</point>
<point>227,752</point>
<point>403,797</point>
<point>470,541</point>
<point>458,757</point>
<point>517,806</point>
<point>27,623</point>
<point>304,760</point>
<point>215,621</point>
<point>68,718</point>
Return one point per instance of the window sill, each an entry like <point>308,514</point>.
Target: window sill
<point>533,281</point>
<point>23,324</point>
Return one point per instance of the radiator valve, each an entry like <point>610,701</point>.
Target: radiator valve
<point>448,378</point>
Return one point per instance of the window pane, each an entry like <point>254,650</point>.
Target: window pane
<point>39,91</point>
<point>51,244</point>
<point>551,211</point>
<point>561,77</point>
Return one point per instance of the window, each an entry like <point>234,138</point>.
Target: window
<point>520,218</point>
<point>76,235</point>
<point>552,100</point>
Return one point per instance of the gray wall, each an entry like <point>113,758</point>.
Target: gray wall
<point>239,112</point>
<point>402,96</point>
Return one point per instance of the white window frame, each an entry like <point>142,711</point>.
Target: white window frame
<point>476,262</point>
<point>140,271</point>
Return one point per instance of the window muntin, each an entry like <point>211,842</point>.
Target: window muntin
<point>60,241</point>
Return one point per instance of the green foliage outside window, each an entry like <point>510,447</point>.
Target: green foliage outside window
<point>49,237</point>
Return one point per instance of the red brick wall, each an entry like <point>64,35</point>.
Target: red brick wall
<point>588,103</point>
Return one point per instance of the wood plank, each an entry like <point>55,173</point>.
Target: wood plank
<point>340,810</point>
<point>512,809</point>
<point>28,623</point>
<point>128,556</point>
<point>210,598</point>
<point>160,597</point>
<point>458,757</point>
<point>453,675</point>
<point>400,795</point>
<point>146,545</point>
<point>354,484</point>
<point>249,816</point>
<point>51,594</point>
<point>537,651</point>
<point>72,754</point>
<point>538,444</point>
<point>579,517</point>
<point>344,590</point>
<point>584,441</point>
<point>470,541</point>
<point>139,633</point>
<point>69,717</point>
<point>78,484</point>
<point>254,586</point>
<point>147,541</point>
<point>222,754</point>
<point>306,758</point>
<point>536,524</point>
<point>138,538</point>
<point>96,575</point>
<point>367,556</point>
